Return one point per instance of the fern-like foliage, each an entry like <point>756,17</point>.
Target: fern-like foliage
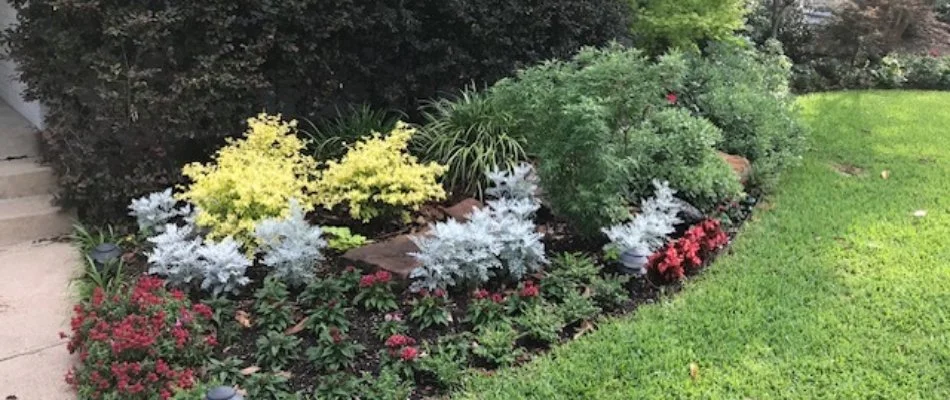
<point>291,246</point>
<point>648,230</point>
<point>184,260</point>
<point>500,240</point>
<point>153,211</point>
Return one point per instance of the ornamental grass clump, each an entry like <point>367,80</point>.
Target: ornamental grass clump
<point>378,177</point>
<point>252,179</point>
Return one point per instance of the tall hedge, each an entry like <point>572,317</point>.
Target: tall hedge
<point>135,89</point>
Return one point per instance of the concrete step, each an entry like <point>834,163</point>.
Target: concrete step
<point>25,219</point>
<point>25,177</point>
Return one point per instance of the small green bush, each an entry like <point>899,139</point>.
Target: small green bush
<point>745,93</point>
<point>661,24</point>
<point>674,146</point>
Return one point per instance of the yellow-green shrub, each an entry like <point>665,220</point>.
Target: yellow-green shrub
<point>378,177</point>
<point>252,179</point>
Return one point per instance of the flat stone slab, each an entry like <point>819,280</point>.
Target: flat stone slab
<point>463,209</point>
<point>35,305</point>
<point>390,255</point>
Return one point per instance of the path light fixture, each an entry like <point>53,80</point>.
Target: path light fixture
<point>633,262</point>
<point>105,255</point>
<point>223,393</point>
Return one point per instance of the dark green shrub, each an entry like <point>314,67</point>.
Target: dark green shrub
<point>745,93</point>
<point>925,72</point>
<point>134,90</point>
<point>674,146</point>
<point>660,24</point>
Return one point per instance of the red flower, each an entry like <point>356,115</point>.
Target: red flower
<point>397,340</point>
<point>349,268</point>
<point>211,340</point>
<point>335,335</point>
<point>98,296</point>
<point>383,276</point>
<point>672,98</point>
<point>203,310</point>
<point>178,294</point>
<point>934,53</point>
<point>529,290</point>
<point>439,293</point>
<point>481,294</point>
<point>409,353</point>
<point>367,281</point>
<point>497,298</point>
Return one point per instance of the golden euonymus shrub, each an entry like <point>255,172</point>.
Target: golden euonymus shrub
<point>252,179</point>
<point>378,177</point>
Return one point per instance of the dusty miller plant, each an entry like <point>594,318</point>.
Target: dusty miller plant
<point>154,211</point>
<point>648,230</point>
<point>291,246</point>
<point>183,258</point>
<point>497,241</point>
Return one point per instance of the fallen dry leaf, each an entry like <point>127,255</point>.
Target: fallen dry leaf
<point>243,318</point>
<point>250,370</point>
<point>293,330</point>
<point>885,174</point>
<point>585,328</point>
<point>285,374</point>
<point>920,213</point>
<point>694,371</point>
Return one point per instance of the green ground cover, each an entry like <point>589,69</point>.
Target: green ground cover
<point>839,288</point>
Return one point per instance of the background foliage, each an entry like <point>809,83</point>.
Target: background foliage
<point>136,89</point>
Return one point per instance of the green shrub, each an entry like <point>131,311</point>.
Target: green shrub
<point>661,24</point>
<point>576,116</point>
<point>136,89</point>
<point>925,72</point>
<point>470,135</point>
<point>674,146</point>
<point>745,93</point>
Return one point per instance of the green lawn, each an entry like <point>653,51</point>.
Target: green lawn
<point>838,291</point>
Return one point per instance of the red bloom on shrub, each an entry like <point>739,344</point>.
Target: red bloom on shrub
<point>409,353</point>
<point>383,276</point>
<point>529,290</point>
<point>98,296</point>
<point>439,293</point>
<point>934,53</point>
<point>367,281</point>
<point>672,98</point>
<point>481,294</point>
<point>497,298</point>
<point>398,340</point>
<point>203,310</point>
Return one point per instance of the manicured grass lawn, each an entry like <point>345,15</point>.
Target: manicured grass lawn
<point>838,291</point>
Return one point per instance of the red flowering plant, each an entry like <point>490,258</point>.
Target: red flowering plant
<point>430,309</point>
<point>526,296</point>
<point>334,351</point>
<point>376,292</point>
<point>687,253</point>
<point>400,353</point>
<point>486,308</point>
<point>144,342</point>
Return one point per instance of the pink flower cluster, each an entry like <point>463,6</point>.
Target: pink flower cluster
<point>380,277</point>
<point>687,253</point>
<point>403,347</point>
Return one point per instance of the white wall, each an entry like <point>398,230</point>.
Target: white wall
<point>10,87</point>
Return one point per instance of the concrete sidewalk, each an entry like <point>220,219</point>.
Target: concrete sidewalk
<point>35,305</point>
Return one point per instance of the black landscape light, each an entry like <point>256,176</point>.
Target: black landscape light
<point>105,255</point>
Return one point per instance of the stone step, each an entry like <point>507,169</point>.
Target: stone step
<point>24,178</point>
<point>17,138</point>
<point>25,219</point>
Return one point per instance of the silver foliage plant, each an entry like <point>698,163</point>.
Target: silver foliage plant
<point>291,246</point>
<point>154,211</point>
<point>518,183</point>
<point>183,258</point>
<point>648,230</point>
<point>498,240</point>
